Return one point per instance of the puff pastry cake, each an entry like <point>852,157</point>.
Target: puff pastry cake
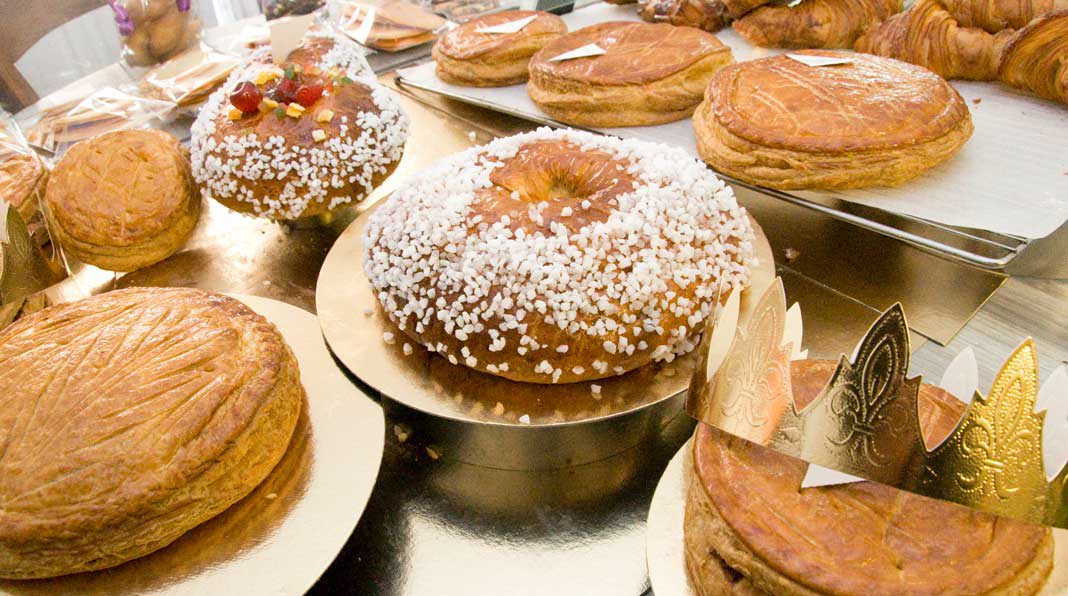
<point>466,56</point>
<point>751,530</point>
<point>123,200</point>
<point>648,74</point>
<point>873,121</point>
<point>128,418</point>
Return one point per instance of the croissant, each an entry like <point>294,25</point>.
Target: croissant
<point>929,36</point>
<point>710,15</point>
<point>814,23</point>
<point>996,15</point>
<point>1036,57</point>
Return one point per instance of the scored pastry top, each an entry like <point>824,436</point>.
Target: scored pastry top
<point>871,103</point>
<point>110,405</point>
<point>635,53</point>
<point>862,537</point>
<point>465,42</point>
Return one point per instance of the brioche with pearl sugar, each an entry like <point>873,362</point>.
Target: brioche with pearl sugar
<point>558,256</point>
<point>300,139</point>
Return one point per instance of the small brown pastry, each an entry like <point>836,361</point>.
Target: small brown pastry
<point>1036,58</point>
<point>174,404</point>
<point>708,15</point>
<point>23,179</point>
<point>871,122</point>
<point>929,36</point>
<point>189,78</point>
<point>300,140</point>
<point>123,200</point>
<point>814,23</point>
<point>997,15</point>
<point>649,74</point>
<point>558,256</point>
<point>466,57</point>
<point>396,24</point>
<point>751,530</point>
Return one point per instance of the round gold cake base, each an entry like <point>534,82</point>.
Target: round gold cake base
<point>282,536</point>
<point>665,550</point>
<point>403,371</point>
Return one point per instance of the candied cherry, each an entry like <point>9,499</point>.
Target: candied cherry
<point>246,97</point>
<point>286,91</point>
<point>309,93</point>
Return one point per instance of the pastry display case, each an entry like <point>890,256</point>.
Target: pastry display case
<point>478,297</point>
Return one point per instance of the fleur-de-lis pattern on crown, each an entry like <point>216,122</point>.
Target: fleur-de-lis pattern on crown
<point>866,418</point>
<point>994,457</point>
<point>865,422</point>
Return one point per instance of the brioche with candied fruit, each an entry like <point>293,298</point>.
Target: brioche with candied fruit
<point>301,140</point>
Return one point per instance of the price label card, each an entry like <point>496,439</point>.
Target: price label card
<point>286,35</point>
<point>585,51</point>
<point>811,60</point>
<point>510,27</point>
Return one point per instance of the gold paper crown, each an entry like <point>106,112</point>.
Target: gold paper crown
<point>866,422</point>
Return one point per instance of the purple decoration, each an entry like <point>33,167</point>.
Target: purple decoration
<point>122,18</point>
<point>183,5</point>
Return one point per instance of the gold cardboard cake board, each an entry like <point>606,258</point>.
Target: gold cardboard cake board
<point>281,537</point>
<point>665,552</point>
<point>865,421</point>
<point>355,328</point>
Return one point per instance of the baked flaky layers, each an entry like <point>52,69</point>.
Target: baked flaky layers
<point>23,179</point>
<point>128,418</point>
<point>466,57</point>
<point>751,530</point>
<point>872,122</point>
<point>123,200</point>
<point>649,74</point>
<point>287,164</point>
<point>928,35</point>
<point>814,23</point>
<point>708,15</point>
<point>1036,58</point>
<point>558,256</point>
<point>997,15</point>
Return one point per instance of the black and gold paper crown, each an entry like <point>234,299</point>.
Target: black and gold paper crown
<point>866,422</point>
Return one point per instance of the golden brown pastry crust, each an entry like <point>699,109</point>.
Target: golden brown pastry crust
<point>708,15</point>
<point>1036,57</point>
<point>650,74</point>
<point>174,404</point>
<point>770,537</point>
<point>23,180</point>
<point>927,35</point>
<point>466,57</point>
<point>123,200</point>
<point>779,123</point>
<point>814,23</point>
<point>296,176</point>
<point>998,15</point>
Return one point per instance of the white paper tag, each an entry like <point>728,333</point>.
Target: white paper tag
<point>821,476</point>
<point>286,35</point>
<point>723,333</point>
<point>792,333</point>
<point>510,27</point>
<point>810,60</point>
<point>961,378</point>
<point>585,51</point>
<point>1053,398</point>
<point>4,205</point>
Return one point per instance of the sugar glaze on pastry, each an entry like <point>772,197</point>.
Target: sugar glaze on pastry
<point>558,256</point>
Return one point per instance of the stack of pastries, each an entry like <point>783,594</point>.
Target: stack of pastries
<point>1021,43</point>
<point>751,530</point>
<point>470,55</point>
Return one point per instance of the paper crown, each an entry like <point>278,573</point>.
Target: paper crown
<point>866,421</point>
